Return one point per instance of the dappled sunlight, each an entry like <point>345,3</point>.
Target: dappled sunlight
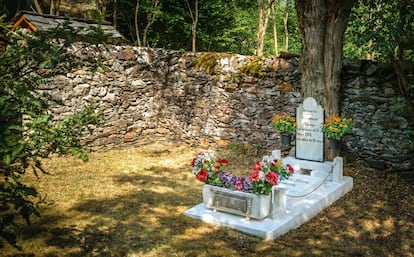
<point>131,202</point>
<point>196,233</point>
<point>379,228</point>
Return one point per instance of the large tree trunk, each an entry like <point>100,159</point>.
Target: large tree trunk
<point>322,25</point>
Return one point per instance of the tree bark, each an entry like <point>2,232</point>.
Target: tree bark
<point>275,41</point>
<point>194,27</point>
<point>54,7</point>
<point>285,24</point>
<point>101,6</point>
<point>194,18</point>
<point>264,13</point>
<point>115,14</point>
<point>136,24</point>
<point>322,25</point>
<point>37,6</point>
<point>150,20</point>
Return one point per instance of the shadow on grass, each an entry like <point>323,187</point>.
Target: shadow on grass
<point>375,219</point>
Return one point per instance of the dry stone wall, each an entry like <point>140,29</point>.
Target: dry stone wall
<point>156,94</point>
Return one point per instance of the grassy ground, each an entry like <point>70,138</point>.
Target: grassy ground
<point>130,203</point>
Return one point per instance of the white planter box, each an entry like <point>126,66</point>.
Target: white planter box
<point>236,202</point>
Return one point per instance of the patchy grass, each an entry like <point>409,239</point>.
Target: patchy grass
<point>130,202</point>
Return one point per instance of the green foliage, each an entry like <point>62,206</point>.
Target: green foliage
<point>28,132</point>
<point>398,105</point>
<point>223,26</point>
<point>380,28</point>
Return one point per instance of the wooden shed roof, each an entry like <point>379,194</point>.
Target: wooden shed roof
<point>43,23</point>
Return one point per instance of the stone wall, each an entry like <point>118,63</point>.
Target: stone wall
<point>155,94</point>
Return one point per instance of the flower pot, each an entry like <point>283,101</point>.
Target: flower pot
<point>335,144</point>
<point>286,138</point>
<point>237,202</point>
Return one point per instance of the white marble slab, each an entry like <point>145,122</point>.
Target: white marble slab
<point>299,211</point>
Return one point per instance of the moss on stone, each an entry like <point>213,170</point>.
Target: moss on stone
<point>254,68</point>
<point>209,61</point>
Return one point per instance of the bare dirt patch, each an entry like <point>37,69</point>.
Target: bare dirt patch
<point>130,202</point>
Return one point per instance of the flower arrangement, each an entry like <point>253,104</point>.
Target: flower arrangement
<point>284,123</point>
<point>267,173</point>
<point>336,127</point>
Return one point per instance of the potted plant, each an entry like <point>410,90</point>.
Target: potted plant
<point>255,189</point>
<point>335,128</point>
<point>286,125</point>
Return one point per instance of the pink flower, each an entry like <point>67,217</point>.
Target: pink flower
<point>272,178</point>
<point>238,185</point>
<point>202,175</point>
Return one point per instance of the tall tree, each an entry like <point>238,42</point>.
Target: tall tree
<point>264,13</point>
<point>322,25</point>
<point>101,6</point>
<point>54,7</point>
<point>285,25</point>
<point>138,39</point>
<point>194,18</point>
<point>151,17</point>
<point>115,13</point>
<point>275,40</point>
<point>38,7</point>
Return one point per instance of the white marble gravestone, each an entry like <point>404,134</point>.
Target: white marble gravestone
<point>309,136</point>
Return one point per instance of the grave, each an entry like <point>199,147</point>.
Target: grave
<point>315,185</point>
<point>309,136</point>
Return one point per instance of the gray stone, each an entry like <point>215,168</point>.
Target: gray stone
<point>148,87</point>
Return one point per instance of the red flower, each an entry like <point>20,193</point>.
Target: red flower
<point>290,168</point>
<point>272,178</point>
<point>193,163</point>
<point>257,166</point>
<point>255,176</point>
<point>217,169</point>
<point>223,162</point>
<point>202,175</point>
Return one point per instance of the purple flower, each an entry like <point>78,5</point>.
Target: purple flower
<point>228,179</point>
<point>247,184</point>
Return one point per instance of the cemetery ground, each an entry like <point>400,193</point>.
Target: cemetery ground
<point>130,202</point>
